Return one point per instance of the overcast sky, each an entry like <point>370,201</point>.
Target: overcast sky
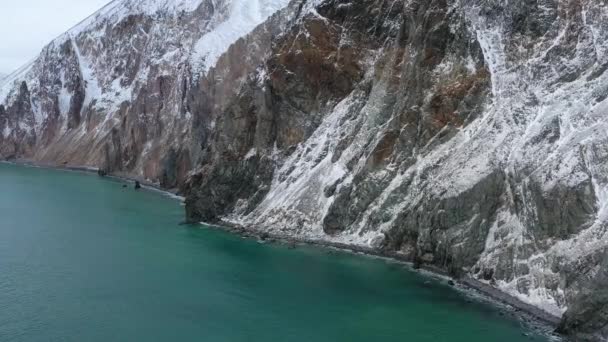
<point>26,26</point>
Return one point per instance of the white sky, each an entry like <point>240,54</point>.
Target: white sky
<point>26,26</point>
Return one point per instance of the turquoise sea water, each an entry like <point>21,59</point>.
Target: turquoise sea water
<point>84,259</point>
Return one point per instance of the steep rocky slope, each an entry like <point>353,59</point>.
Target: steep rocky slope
<point>112,92</point>
<point>469,135</point>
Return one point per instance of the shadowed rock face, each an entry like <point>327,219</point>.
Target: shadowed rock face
<point>19,114</point>
<point>465,135</point>
<point>588,315</point>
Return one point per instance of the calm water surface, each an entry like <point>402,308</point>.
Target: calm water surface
<point>82,259</point>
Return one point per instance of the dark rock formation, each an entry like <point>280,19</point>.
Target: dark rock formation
<point>587,317</point>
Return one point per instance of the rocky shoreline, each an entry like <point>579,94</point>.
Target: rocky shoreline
<point>528,313</point>
<point>93,170</point>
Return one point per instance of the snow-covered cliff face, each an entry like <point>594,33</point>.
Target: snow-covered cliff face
<point>112,91</point>
<point>467,135</point>
<point>463,134</point>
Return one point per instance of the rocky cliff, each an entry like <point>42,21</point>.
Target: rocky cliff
<point>467,135</point>
<point>113,92</point>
